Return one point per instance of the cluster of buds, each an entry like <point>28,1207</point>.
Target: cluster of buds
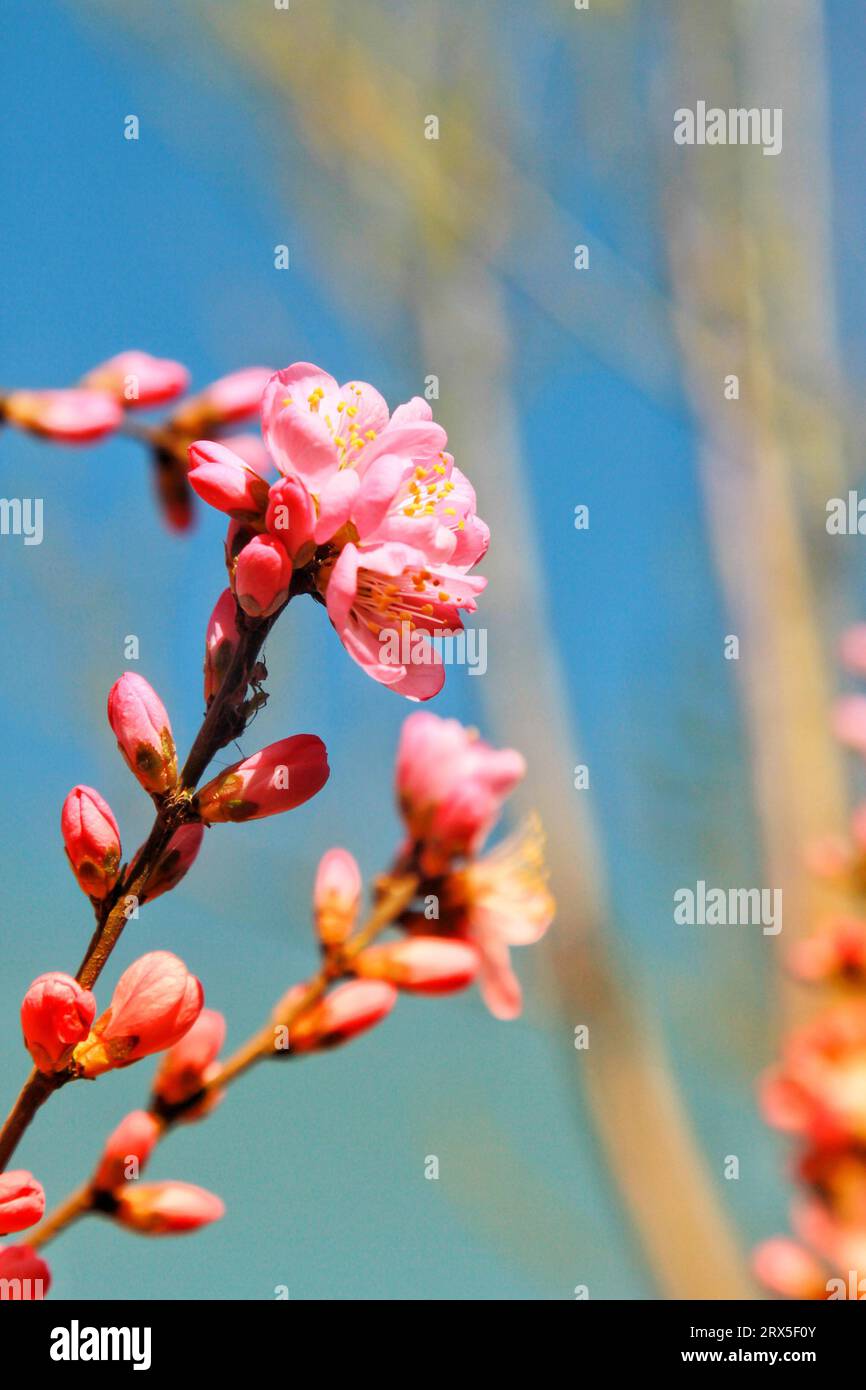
<point>23,1274</point>
<point>368,513</point>
<point>134,381</point>
<point>817,1092</point>
<point>152,1208</point>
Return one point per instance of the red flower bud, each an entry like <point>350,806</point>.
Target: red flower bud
<point>166,1208</point>
<point>156,1000</point>
<point>92,841</point>
<point>189,1065</point>
<point>336,895</point>
<point>278,778</point>
<point>141,726</point>
<point>223,480</point>
<point>291,517</point>
<point>137,379</point>
<point>230,399</point>
<point>220,643</point>
<point>22,1201</point>
<point>56,1013</point>
<point>24,1275</point>
<point>71,417</point>
<point>347,1010</point>
<point>425,964</point>
<point>126,1151</point>
<point>262,577</point>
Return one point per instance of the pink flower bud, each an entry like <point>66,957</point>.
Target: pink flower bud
<point>223,480</point>
<point>126,1151</point>
<point>166,1208</point>
<point>141,726</point>
<point>336,895</point>
<point>279,778</point>
<point>347,1010</point>
<point>71,417</point>
<point>231,398</point>
<point>25,1276</point>
<point>22,1201</point>
<point>173,865</point>
<point>137,379</point>
<point>188,1065</point>
<point>291,517</point>
<point>56,1013</point>
<point>156,1000</point>
<point>92,841</point>
<point>220,643</point>
<point>426,964</point>
<point>262,577</point>
<point>787,1269</point>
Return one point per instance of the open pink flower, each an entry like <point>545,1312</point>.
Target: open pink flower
<point>25,1276</point>
<point>127,1150</point>
<point>22,1201</point>
<point>156,1000</point>
<point>263,576</point>
<point>92,841</point>
<point>386,602</point>
<point>279,778</point>
<point>56,1013</point>
<point>336,895</point>
<point>423,964</point>
<point>189,1065</point>
<point>76,416</point>
<point>143,732</point>
<point>137,379</point>
<point>166,1208</point>
<point>451,784</point>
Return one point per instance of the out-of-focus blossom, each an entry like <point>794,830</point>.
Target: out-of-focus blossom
<point>424,964</point>
<point>220,644</point>
<point>262,577</point>
<point>348,1010</point>
<point>143,732</point>
<point>24,1275</point>
<point>137,379</point>
<point>837,951</point>
<point>251,448</point>
<point>222,479</point>
<point>192,1062</point>
<point>56,1013</point>
<point>849,722</point>
<point>226,401</point>
<point>75,416</point>
<point>336,896</point>
<point>279,778</point>
<point>92,841</point>
<point>819,1089</point>
<point>166,1208</point>
<point>173,864</point>
<point>22,1201</point>
<point>788,1269</point>
<point>127,1150</point>
<point>156,1000</point>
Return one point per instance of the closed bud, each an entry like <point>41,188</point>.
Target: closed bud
<point>143,732</point>
<point>92,841</point>
<point>220,644</point>
<point>190,1064</point>
<point>127,1148</point>
<point>56,1013</point>
<point>155,1002</point>
<point>291,517</point>
<point>173,864</point>
<point>223,480</point>
<point>166,1208</point>
<point>347,1010</point>
<point>137,379</point>
<point>24,1275</point>
<point>278,778</point>
<point>424,964</point>
<point>336,895</point>
<point>262,577</point>
<point>22,1201</point>
<point>71,417</point>
<point>226,401</point>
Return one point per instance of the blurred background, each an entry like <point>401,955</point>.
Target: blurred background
<point>559,387</point>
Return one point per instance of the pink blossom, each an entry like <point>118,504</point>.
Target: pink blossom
<point>450,784</point>
<point>156,1000</point>
<point>189,1065</point>
<point>787,1269</point>
<point>262,577</point>
<point>166,1208</point>
<point>22,1201</point>
<point>141,726</point>
<point>173,864</point>
<point>819,1090</point>
<point>226,401</point>
<point>425,964</point>
<point>347,1010</point>
<point>56,1013</point>
<point>129,1146</point>
<point>279,778</point>
<point>25,1275</point>
<point>136,379</point>
<point>849,722</point>
<point>92,841</point>
<point>75,416</point>
<point>336,895</point>
<point>837,951</point>
<point>384,603</point>
<point>222,479</point>
<point>291,517</point>
<point>221,642</point>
